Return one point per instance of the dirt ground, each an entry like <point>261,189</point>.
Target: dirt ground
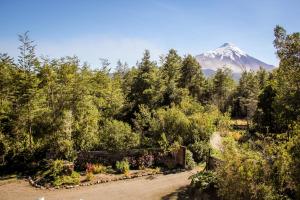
<point>150,187</point>
<point>216,141</point>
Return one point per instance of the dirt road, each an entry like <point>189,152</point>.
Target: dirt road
<point>144,188</point>
<point>216,141</point>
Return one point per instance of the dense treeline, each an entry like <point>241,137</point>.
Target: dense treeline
<point>60,106</point>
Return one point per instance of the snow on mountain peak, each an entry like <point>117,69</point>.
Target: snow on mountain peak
<point>231,56</point>
<point>226,50</point>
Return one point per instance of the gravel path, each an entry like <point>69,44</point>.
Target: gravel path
<point>151,187</point>
<point>216,141</point>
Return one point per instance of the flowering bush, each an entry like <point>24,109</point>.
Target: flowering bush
<point>141,162</point>
<point>95,168</point>
<point>89,167</point>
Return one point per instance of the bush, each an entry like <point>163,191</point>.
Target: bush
<point>203,180</point>
<point>89,176</point>
<point>73,179</point>
<point>141,162</point>
<point>95,168</point>
<point>224,123</point>
<point>190,163</point>
<point>59,172</point>
<point>202,125</point>
<point>200,150</point>
<point>247,174</point>
<point>122,166</point>
<point>173,123</point>
<point>118,136</point>
<point>98,168</point>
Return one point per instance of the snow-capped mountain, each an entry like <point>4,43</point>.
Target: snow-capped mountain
<point>230,56</point>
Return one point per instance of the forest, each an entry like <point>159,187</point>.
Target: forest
<point>63,106</point>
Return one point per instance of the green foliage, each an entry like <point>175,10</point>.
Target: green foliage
<point>224,123</point>
<point>202,125</point>
<point>118,136</point>
<point>173,123</point>
<point>86,124</point>
<point>203,180</point>
<point>294,151</point>
<point>200,150</point>
<point>73,179</point>
<point>190,163</point>
<point>223,86</point>
<point>192,77</point>
<point>144,88</point>
<point>98,169</point>
<point>246,95</point>
<point>246,174</point>
<point>60,106</point>
<point>287,78</point>
<point>170,73</point>
<point>122,166</point>
<point>59,173</point>
<point>62,143</point>
<point>265,114</point>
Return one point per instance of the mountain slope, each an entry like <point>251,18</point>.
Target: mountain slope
<point>230,56</point>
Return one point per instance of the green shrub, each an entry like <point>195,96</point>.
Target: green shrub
<point>200,150</point>
<point>190,163</point>
<point>172,124</point>
<point>73,179</point>
<point>247,174</point>
<point>98,168</point>
<point>122,166</point>
<point>202,125</point>
<point>59,172</point>
<point>203,180</point>
<point>224,123</point>
<point>118,136</point>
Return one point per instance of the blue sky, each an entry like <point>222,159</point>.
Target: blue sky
<point>120,29</point>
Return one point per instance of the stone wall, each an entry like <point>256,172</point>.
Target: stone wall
<point>173,159</point>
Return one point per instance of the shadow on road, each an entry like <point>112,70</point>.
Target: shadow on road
<point>151,177</point>
<point>180,194</point>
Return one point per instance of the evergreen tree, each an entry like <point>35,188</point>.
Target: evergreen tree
<point>26,93</point>
<point>223,86</point>
<point>170,73</point>
<point>265,115</point>
<point>288,76</point>
<point>246,95</point>
<point>262,76</point>
<point>144,86</point>
<point>192,77</point>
